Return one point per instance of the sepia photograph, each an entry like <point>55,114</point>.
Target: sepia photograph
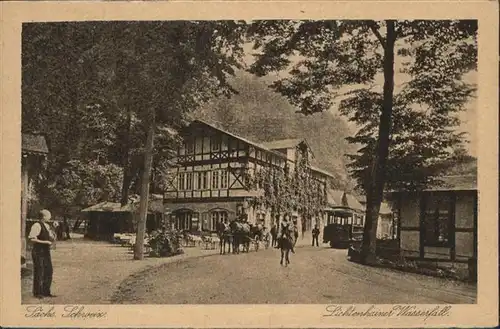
<point>236,161</point>
<point>251,162</point>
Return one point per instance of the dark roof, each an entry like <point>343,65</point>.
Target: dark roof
<point>155,205</point>
<point>455,183</point>
<point>451,183</point>
<point>32,143</point>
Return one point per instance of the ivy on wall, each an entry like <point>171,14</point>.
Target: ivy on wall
<point>285,192</point>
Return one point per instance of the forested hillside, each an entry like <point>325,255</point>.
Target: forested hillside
<point>259,114</point>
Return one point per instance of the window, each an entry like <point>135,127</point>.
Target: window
<point>205,180</point>
<point>189,147</point>
<point>199,180</point>
<point>436,221</point>
<point>196,181</point>
<point>217,217</point>
<point>223,179</point>
<point>183,221</point>
<point>215,144</point>
<point>189,181</point>
<point>182,181</point>
<point>215,179</point>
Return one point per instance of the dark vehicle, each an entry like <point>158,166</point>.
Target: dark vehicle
<point>342,235</point>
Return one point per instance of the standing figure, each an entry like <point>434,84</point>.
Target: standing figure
<point>42,236</point>
<point>315,235</point>
<point>274,235</point>
<point>66,229</point>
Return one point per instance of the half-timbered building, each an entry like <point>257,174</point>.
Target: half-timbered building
<point>439,224</point>
<point>207,184</point>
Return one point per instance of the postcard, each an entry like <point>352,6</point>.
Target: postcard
<point>240,164</point>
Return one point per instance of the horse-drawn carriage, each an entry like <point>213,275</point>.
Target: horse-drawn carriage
<point>237,234</point>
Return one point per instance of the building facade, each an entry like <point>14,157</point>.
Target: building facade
<point>208,183</point>
<point>440,224</point>
<point>387,222</point>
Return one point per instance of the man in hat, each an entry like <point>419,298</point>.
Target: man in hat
<point>42,236</point>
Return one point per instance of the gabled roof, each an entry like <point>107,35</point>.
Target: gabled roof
<point>264,146</point>
<point>338,198</point>
<point>254,144</point>
<point>35,144</point>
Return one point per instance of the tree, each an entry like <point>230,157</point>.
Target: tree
<point>179,66</point>
<point>147,75</point>
<point>322,57</point>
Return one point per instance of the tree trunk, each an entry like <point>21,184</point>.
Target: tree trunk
<point>127,172</point>
<point>143,206</point>
<point>375,190</point>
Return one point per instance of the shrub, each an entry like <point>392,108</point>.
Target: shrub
<point>165,243</point>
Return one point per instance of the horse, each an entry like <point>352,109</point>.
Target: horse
<point>241,236</point>
<point>286,243</point>
<point>224,234</point>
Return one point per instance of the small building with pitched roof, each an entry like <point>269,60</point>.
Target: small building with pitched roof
<point>106,218</point>
<point>439,224</point>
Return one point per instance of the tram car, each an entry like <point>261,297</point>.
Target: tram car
<point>342,235</point>
<point>345,220</point>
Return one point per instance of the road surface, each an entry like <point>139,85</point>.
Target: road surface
<point>315,275</point>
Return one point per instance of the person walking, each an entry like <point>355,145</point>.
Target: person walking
<point>315,235</point>
<point>42,236</point>
<point>274,234</point>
